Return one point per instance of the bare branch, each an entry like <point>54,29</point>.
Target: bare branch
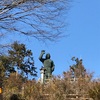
<point>37,18</point>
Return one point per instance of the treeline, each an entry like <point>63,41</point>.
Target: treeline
<point>18,64</point>
<point>58,88</point>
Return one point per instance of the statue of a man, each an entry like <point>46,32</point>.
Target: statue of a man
<point>48,64</point>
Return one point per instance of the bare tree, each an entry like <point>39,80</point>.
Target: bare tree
<point>37,18</point>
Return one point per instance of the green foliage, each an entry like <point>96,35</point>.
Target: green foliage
<point>18,59</point>
<point>22,59</point>
<point>6,67</point>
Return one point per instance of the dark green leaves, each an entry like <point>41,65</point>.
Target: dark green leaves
<point>18,59</point>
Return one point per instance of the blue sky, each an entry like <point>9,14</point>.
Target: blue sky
<point>83,40</point>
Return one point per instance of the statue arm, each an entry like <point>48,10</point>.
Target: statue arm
<point>53,66</point>
<point>41,57</point>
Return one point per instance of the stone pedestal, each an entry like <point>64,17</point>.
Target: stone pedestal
<point>42,72</point>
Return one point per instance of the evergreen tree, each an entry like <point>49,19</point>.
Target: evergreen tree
<point>18,59</point>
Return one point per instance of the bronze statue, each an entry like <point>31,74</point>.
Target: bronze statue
<point>48,64</point>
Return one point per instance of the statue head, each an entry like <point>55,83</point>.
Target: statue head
<point>47,56</point>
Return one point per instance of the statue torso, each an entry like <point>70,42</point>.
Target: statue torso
<point>47,63</point>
